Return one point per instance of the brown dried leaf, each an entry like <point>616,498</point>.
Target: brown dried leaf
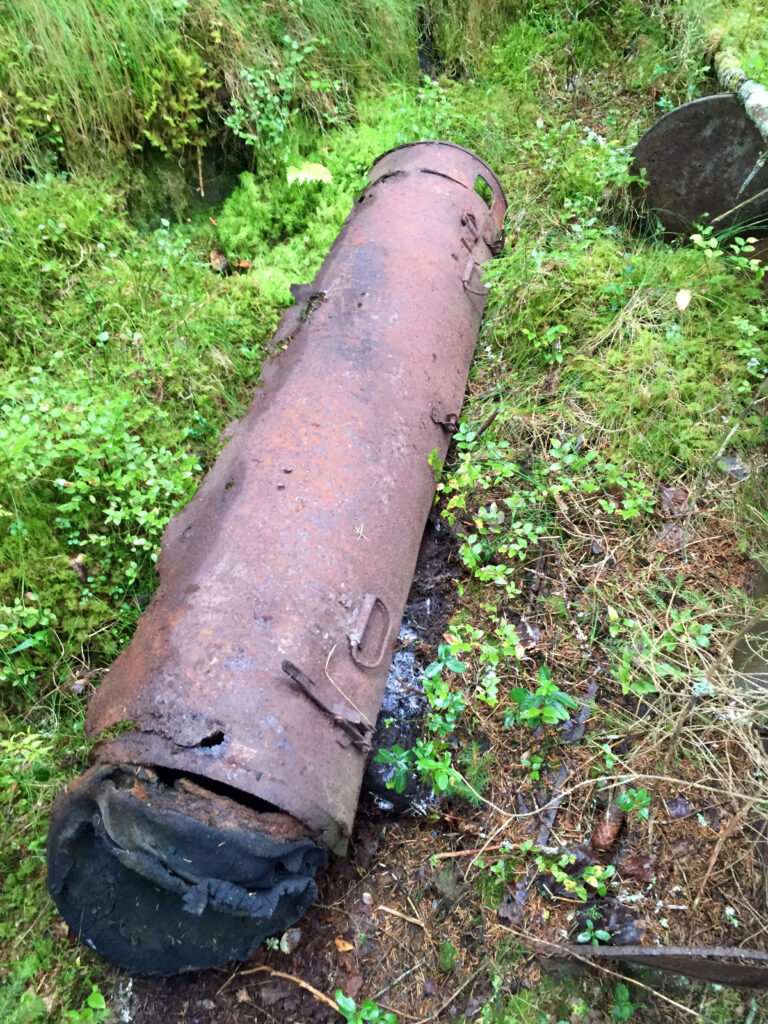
<point>640,868</point>
<point>342,945</point>
<point>218,260</point>
<point>352,985</point>
<point>678,807</point>
<point>671,538</point>
<point>673,499</point>
<point>683,847</point>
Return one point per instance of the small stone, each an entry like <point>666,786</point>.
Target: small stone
<point>678,807</point>
<point>290,940</point>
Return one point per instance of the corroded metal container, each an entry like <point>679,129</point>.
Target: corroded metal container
<point>252,685</point>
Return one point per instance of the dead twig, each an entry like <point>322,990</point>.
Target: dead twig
<point>488,422</point>
<point>468,853</point>
<point>263,969</point>
<point>398,979</point>
<point>400,914</point>
<point>727,832</point>
<point>456,994</point>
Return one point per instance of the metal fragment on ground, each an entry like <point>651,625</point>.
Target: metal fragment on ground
<point>249,693</point>
<point>705,158</point>
<point>725,965</point>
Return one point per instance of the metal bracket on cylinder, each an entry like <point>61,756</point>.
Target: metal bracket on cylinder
<point>448,421</point>
<point>350,721</point>
<point>365,648</point>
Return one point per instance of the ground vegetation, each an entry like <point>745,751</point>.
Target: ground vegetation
<point>168,170</point>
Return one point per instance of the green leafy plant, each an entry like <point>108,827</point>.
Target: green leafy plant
<point>598,877</point>
<point>447,704</point>
<point>436,463</point>
<point>263,110</point>
<point>533,764</point>
<point>637,800</point>
<point>402,762</point>
<point>447,956</point>
<point>94,1009</point>
<point>592,934</point>
<point>547,705</point>
<point>623,1008</point>
<point>367,1012</point>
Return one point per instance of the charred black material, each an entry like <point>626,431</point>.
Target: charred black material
<point>186,878</point>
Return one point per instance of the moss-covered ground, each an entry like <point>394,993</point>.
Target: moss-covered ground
<point>617,371</point>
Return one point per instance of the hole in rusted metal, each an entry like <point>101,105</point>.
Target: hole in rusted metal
<point>484,190</point>
<point>171,776</point>
<point>214,740</point>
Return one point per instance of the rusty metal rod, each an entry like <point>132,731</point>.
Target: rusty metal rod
<point>252,685</point>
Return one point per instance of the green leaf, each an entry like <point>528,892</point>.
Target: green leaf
<point>436,463</point>
<point>455,665</point>
<point>346,1004</point>
<point>29,642</point>
<point>308,172</point>
<point>96,1000</point>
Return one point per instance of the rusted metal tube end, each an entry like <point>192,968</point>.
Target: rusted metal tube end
<point>163,875</point>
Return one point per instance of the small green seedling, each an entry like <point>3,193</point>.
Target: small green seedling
<point>623,1007</point>
<point>598,877</point>
<point>533,762</point>
<point>592,935</point>
<point>637,800</point>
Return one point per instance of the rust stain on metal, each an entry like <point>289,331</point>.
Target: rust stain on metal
<point>259,667</point>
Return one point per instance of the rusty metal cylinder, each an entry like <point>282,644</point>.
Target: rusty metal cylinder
<point>250,691</point>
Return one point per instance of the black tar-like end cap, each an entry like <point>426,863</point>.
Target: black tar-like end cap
<point>162,876</point>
